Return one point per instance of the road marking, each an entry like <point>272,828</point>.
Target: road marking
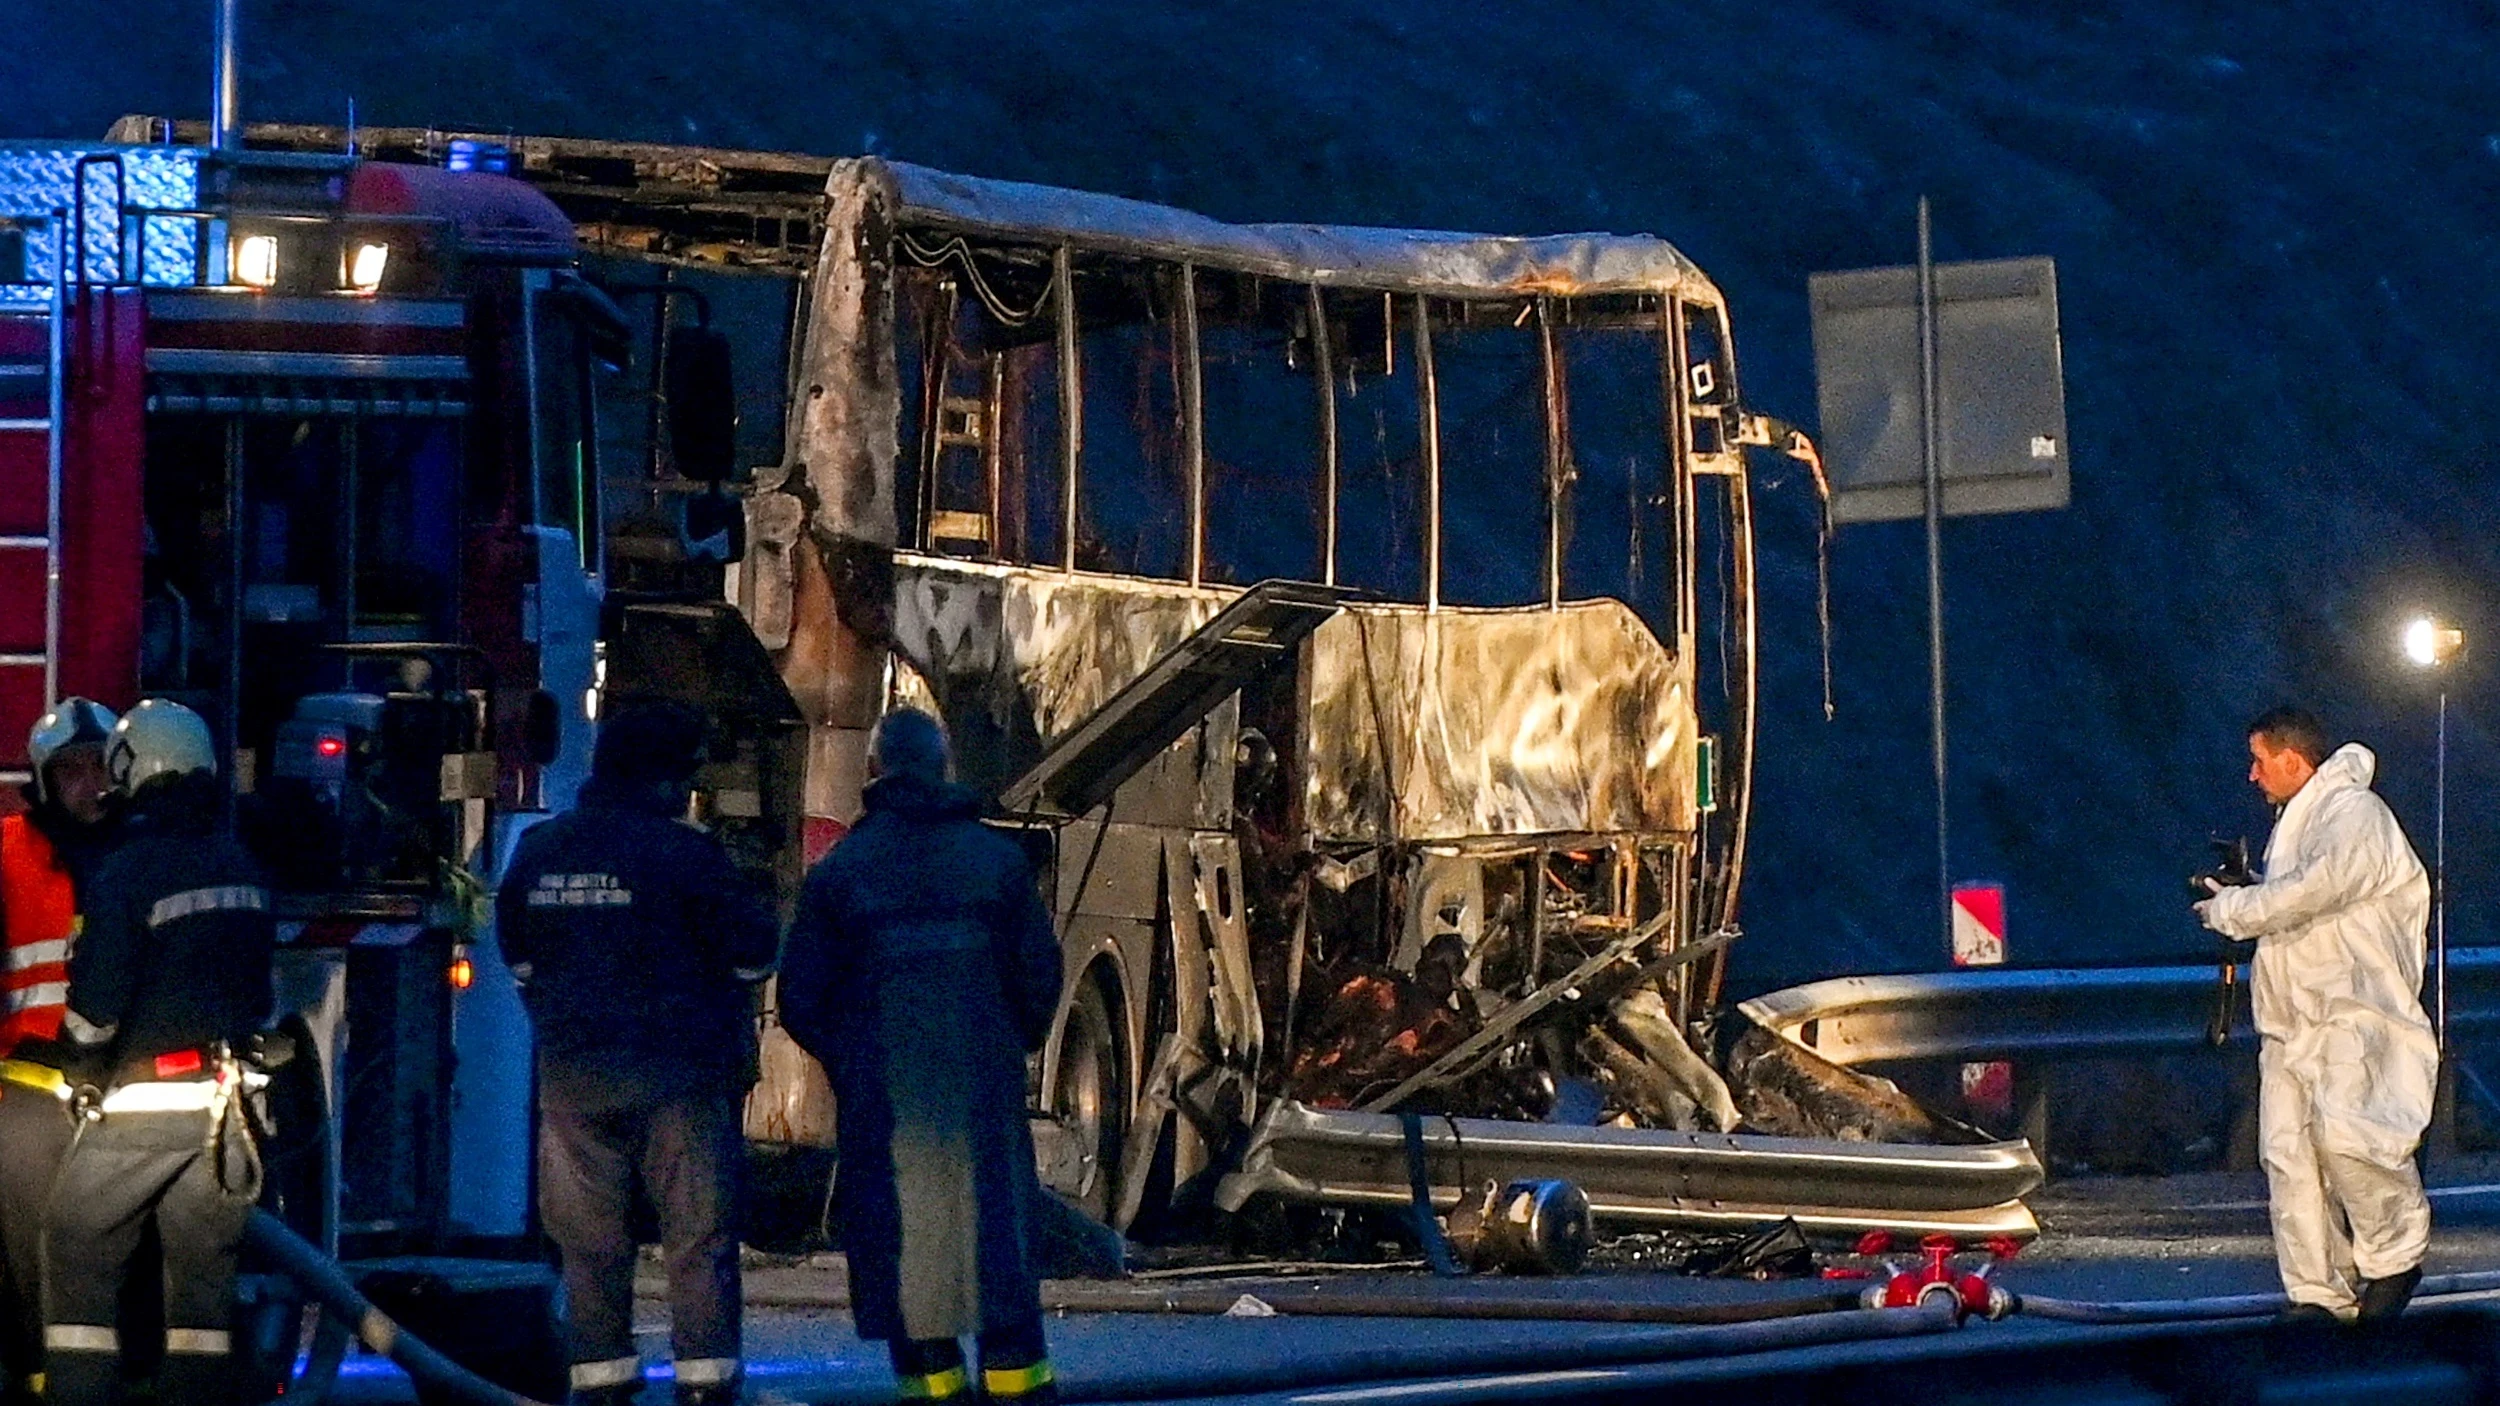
<point>1460,1384</point>
<point>2486,1188</point>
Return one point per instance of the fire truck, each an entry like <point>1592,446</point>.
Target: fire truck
<point>309,443</point>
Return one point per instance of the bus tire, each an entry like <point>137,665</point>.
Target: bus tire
<point>1091,1097</point>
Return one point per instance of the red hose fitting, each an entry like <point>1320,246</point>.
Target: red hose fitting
<point>1935,1279</point>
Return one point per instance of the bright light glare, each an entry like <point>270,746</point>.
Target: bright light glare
<point>364,272</point>
<point>2429,644</point>
<point>256,260</point>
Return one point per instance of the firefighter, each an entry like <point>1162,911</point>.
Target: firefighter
<point>169,980</point>
<point>921,969</point>
<point>639,948</point>
<point>46,853</point>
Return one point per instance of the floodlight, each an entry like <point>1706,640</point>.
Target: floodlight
<point>2429,644</point>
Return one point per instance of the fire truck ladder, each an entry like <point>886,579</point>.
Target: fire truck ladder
<point>54,369</point>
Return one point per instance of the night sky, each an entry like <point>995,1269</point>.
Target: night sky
<point>2275,235</point>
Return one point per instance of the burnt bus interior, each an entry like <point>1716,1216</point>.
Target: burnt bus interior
<point>1496,457</point>
<point>1308,422</point>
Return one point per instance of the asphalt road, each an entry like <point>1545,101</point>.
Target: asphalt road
<point>2102,1239</point>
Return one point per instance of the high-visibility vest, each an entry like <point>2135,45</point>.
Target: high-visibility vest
<point>38,919</point>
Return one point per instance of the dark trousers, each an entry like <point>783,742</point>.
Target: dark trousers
<point>120,1175</point>
<point>34,1133</point>
<point>599,1131</point>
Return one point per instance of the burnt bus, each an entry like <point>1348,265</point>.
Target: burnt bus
<point>1320,599</point>
<point>1357,624</point>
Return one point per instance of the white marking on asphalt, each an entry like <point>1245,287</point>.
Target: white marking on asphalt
<point>2486,1188</point>
<point>1459,1385</point>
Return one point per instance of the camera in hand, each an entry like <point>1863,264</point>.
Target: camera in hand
<point>2233,868</point>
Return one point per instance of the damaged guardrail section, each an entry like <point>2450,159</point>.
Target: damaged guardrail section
<point>1647,1177</point>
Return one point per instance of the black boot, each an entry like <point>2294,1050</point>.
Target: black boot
<point>2385,1298</point>
<point>2308,1314</point>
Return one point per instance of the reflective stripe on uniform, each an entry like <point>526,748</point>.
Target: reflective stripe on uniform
<point>154,1096</point>
<point>85,1031</point>
<point>80,1337</point>
<point>1017,1381</point>
<point>615,1371</point>
<point>42,1078</point>
<point>35,954</point>
<point>706,1371</point>
<point>219,898</point>
<point>199,1340</point>
<point>935,1386</point>
<point>42,993</point>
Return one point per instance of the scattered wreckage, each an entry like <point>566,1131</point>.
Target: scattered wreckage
<point>1358,623</point>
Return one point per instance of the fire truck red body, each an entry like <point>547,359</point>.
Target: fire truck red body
<point>307,443</point>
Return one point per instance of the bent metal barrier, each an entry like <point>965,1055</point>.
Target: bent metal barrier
<point>1643,1177</point>
<point>1639,1177</point>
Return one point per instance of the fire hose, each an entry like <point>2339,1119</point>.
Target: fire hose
<point>1325,1303</point>
<point>320,1277</point>
<point>1914,1302</point>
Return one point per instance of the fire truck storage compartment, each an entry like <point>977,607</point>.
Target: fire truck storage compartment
<point>395,1157</point>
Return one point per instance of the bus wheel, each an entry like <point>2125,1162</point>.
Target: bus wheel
<point>1091,1100</point>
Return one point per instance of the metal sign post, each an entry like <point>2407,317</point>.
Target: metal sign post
<point>1942,395</point>
<point>1931,470</point>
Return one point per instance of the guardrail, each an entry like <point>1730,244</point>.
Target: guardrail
<point>1640,1176</point>
<point>1980,1013</point>
<point>1646,1177</point>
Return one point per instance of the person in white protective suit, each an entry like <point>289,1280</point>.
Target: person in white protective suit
<point>2347,1062</point>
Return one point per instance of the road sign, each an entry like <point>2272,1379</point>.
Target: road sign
<point>1978,925</point>
<point>2000,389</point>
<point>1979,941</point>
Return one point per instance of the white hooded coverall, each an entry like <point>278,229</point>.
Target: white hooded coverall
<point>2347,1062</point>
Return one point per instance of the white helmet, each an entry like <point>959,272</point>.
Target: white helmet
<point>158,738</point>
<point>72,722</point>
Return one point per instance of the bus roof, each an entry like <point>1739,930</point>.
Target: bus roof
<point>761,209</point>
<point>1434,262</point>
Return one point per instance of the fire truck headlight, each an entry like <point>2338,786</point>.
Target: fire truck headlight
<point>364,267</point>
<point>256,260</point>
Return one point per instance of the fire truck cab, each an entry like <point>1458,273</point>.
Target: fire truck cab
<point>310,443</point>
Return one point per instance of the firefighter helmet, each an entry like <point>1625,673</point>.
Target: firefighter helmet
<point>72,722</point>
<point>158,738</point>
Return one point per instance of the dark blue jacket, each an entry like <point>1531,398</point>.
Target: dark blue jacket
<point>637,942</point>
<point>178,938</point>
<point>921,968</point>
